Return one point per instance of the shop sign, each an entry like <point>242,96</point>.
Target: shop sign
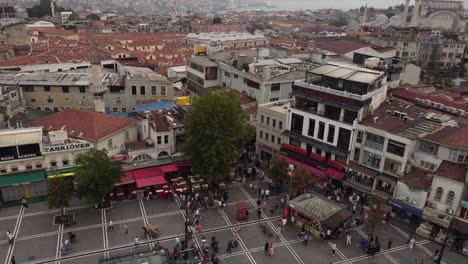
<point>20,156</point>
<point>71,146</point>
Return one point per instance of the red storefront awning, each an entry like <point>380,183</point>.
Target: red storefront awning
<point>335,174</point>
<point>150,181</point>
<point>169,168</point>
<point>126,178</point>
<point>299,164</point>
<point>147,173</point>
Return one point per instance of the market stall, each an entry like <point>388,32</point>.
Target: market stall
<point>313,213</point>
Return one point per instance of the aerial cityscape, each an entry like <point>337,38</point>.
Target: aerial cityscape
<point>233,131</point>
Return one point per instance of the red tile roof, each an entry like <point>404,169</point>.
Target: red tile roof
<point>454,171</point>
<point>455,137</point>
<point>244,99</point>
<point>93,125</point>
<point>28,60</point>
<point>417,178</point>
<point>341,46</point>
<point>411,94</point>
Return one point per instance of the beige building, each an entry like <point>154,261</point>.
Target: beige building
<point>271,123</point>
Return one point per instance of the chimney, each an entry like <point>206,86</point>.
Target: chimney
<point>266,73</point>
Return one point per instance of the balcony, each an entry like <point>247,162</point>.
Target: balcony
<point>344,94</point>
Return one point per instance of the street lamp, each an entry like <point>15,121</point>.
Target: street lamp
<point>290,174</point>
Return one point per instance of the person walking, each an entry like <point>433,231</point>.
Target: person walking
<point>267,194</point>
<point>259,213</point>
<point>306,240</point>
<point>235,241</point>
<point>110,225</point>
<point>12,260</point>
<point>271,250</point>
<point>333,249</point>
<point>125,228</point>
<point>229,247</point>
<point>262,194</point>
<point>267,245</point>
<point>10,237</point>
<point>284,222</point>
<point>328,234</point>
<point>264,206</point>
<point>24,202</point>
<point>137,241</point>
<point>177,239</point>
<point>348,239</point>
<point>389,244</point>
<point>412,243</point>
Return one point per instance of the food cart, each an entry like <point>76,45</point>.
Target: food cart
<point>242,210</point>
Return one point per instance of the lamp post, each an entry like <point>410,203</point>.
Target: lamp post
<point>290,174</point>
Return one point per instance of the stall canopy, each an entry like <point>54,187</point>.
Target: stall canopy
<point>319,208</point>
<point>150,181</point>
<point>337,219</point>
<point>126,178</point>
<point>169,168</point>
<point>299,164</point>
<point>22,178</point>
<point>335,174</point>
<point>147,173</point>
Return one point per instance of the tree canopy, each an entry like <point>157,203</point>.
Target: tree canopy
<point>374,219</point>
<point>217,20</point>
<point>43,9</point>
<point>340,21</point>
<point>93,16</point>
<point>216,131</point>
<point>278,171</point>
<point>60,193</point>
<point>301,180</point>
<point>96,175</point>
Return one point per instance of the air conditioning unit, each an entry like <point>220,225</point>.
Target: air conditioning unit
<point>449,211</point>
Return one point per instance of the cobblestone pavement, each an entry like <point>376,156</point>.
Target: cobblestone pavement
<point>39,241</point>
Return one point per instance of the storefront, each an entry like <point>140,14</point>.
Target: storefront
<point>315,214</point>
<point>406,211</point>
<point>28,184</point>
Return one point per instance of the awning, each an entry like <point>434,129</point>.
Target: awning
<point>61,175</point>
<point>22,178</point>
<point>150,181</point>
<point>169,168</point>
<point>460,225</point>
<point>464,204</point>
<point>337,219</point>
<point>299,164</point>
<point>407,208</point>
<point>126,178</point>
<point>335,174</point>
<point>147,173</point>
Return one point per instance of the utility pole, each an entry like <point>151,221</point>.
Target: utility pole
<point>441,254</point>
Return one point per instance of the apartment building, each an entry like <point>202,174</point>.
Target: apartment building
<point>202,74</point>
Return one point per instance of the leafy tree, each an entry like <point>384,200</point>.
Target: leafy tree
<point>462,69</point>
<point>217,20</point>
<point>60,193</point>
<point>278,171</point>
<point>216,131</point>
<point>93,16</point>
<point>389,12</point>
<point>302,179</point>
<point>43,9</point>
<point>362,9</point>
<point>374,219</point>
<point>96,175</point>
<point>340,21</point>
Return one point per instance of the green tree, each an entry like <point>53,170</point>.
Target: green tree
<point>93,16</point>
<point>389,12</point>
<point>217,20</point>
<point>43,9</point>
<point>340,21</point>
<point>59,194</point>
<point>362,9</point>
<point>96,175</point>
<point>278,171</point>
<point>216,131</point>
<point>301,180</point>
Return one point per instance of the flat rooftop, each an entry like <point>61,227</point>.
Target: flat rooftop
<point>347,72</point>
<point>278,106</point>
<point>67,79</point>
<point>202,61</point>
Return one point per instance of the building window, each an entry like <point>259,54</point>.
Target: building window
<point>53,164</point>
<point>115,110</point>
<point>459,156</point>
<point>13,169</point>
<point>38,165</point>
<point>142,90</point>
<point>29,166</point>
<point>166,139</point>
<point>357,154</point>
<point>28,89</point>
<point>272,139</point>
<point>279,140</point>
<point>153,90</point>
<point>274,122</point>
<point>297,123</point>
<point>65,162</point>
<point>163,91</point>
<point>82,89</point>
<point>33,100</point>
<point>46,89</point>
<point>374,141</point>
<point>280,125</point>
<point>126,136</point>
<point>134,90</point>
<point>321,130</point>
<point>359,136</point>
<point>450,198</point>
<point>438,194</point>
<point>227,74</point>
<point>275,87</point>
<point>311,130</point>
<point>65,89</point>
<point>3,170</point>
<point>268,121</point>
<point>396,148</point>
<point>109,144</point>
<point>267,136</point>
<point>262,119</point>
<point>428,147</point>
<point>427,165</point>
<point>124,110</point>
<point>331,133</point>
<point>372,160</point>
<point>392,167</point>
<point>159,138</point>
<point>260,135</point>
<point>349,116</point>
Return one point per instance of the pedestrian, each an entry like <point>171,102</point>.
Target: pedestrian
<point>259,193</point>
<point>24,202</point>
<point>354,209</point>
<point>328,234</point>
<point>258,202</point>
<point>137,240</point>
<point>235,241</point>
<point>267,245</point>
<point>259,213</point>
<point>67,245</point>
<point>267,194</point>
<point>264,206</point>
<point>125,228</point>
<point>389,245</point>
<point>262,194</point>
<point>12,260</point>
<point>306,240</point>
<point>348,239</point>
<point>271,250</point>
<point>412,242</point>
<point>10,237</point>
<point>199,228</point>
<point>272,210</point>
<point>284,222</point>
<point>229,247</point>
<point>333,248</point>
<point>177,239</point>
<point>110,225</point>
<point>410,237</point>
<point>436,255</point>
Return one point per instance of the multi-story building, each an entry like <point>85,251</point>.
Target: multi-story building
<point>270,126</point>
<point>327,106</point>
<point>227,40</point>
<point>202,74</point>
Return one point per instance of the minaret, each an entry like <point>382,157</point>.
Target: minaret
<point>364,18</point>
<point>52,8</point>
<point>97,88</point>
<point>404,19</point>
<point>415,18</point>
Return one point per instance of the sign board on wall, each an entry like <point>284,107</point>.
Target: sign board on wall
<point>66,147</point>
<point>414,197</point>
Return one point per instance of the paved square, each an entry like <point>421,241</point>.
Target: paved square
<point>38,238</point>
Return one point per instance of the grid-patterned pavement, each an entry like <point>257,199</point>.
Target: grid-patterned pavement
<point>39,241</point>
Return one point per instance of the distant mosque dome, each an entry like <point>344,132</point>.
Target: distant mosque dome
<point>395,20</point>
<point>381,19</point>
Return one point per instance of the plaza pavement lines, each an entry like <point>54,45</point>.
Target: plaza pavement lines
<point>230,227</point>
<point>145,220</point>
<point>15,233</point>
<point>58,252</point>
<point>105,237</point>
<point>43,212</point>
<point>290,249</point>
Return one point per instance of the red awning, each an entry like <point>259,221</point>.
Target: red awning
<point>335,174</point>
<point>296,163</point>
<point>150,181</point>
<point>126,178</point>
<point>147,173</point>
<point>169,168</point>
